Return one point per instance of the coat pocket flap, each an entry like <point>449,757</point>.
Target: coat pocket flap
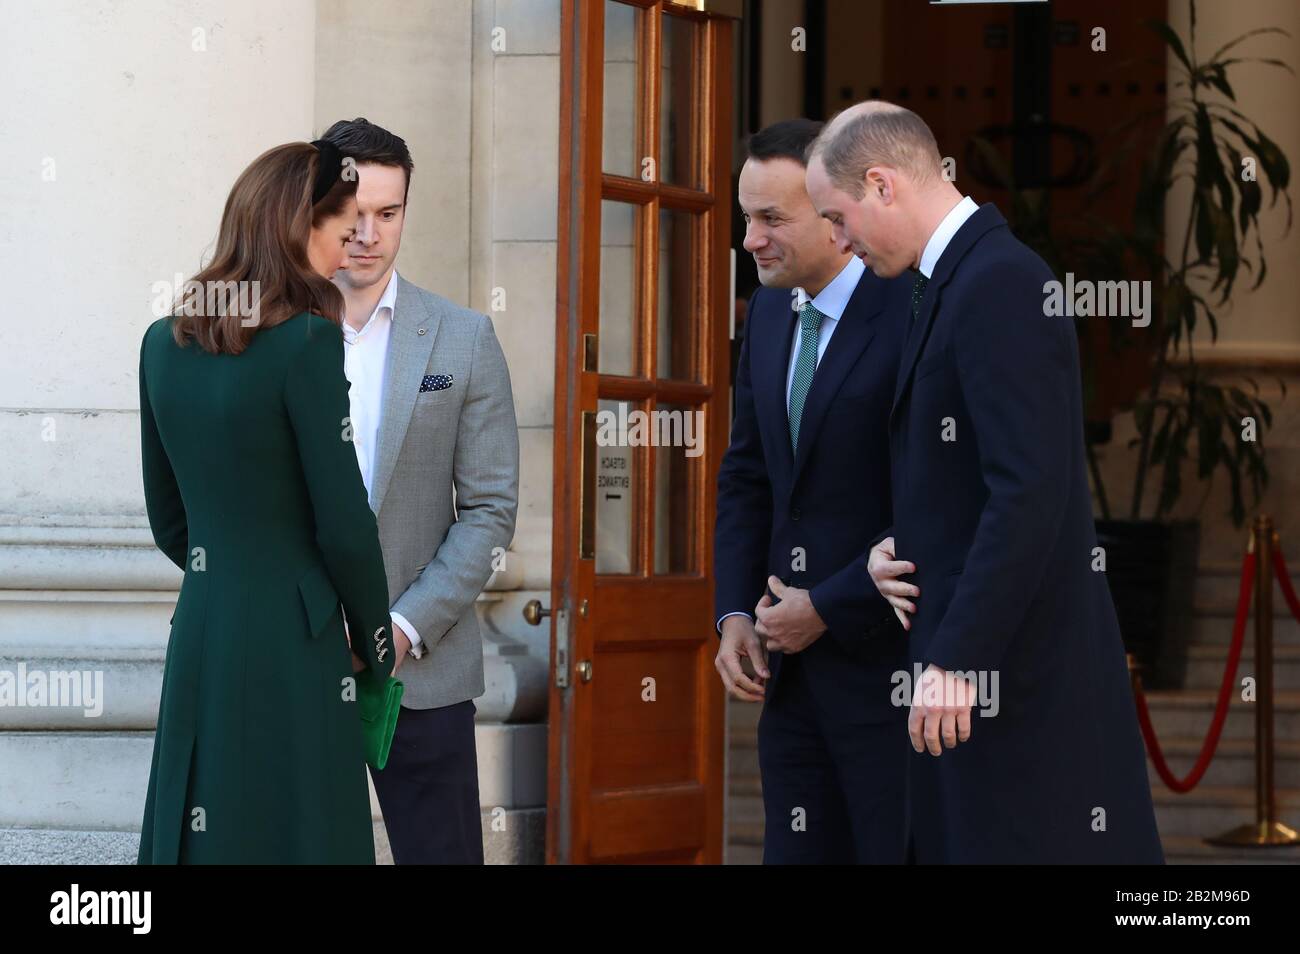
<point>318,597</point>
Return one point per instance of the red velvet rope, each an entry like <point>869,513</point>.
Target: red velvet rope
<point>1284,581</point>
<point>1225,689</point>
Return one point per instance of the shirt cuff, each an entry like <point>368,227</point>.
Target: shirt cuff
<point>720,618</point>
<point>417,644</point>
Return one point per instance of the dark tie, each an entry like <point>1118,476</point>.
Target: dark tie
<point>918,292</point>
<point>810,323</point>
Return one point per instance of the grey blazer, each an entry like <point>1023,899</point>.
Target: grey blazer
<point>446,485</point>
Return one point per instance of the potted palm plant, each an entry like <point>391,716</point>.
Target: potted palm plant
<point>1185,420</point>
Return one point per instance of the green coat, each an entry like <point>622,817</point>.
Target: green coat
<point>252,488</point>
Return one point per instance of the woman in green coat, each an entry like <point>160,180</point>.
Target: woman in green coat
<point>252,489</point>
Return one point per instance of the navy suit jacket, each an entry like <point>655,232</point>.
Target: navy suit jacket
<point>992,504</point>
<point>809,519</point>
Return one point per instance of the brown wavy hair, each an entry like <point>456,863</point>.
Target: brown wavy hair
<point>263,238</point>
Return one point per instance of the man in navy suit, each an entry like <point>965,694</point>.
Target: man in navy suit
<point>802,492</point>
<point>990,561</point>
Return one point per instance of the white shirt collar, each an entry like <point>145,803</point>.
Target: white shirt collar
<point>834,298</point>
<point>386,305</point>
<point>953,221</point>
<point>389,298</point>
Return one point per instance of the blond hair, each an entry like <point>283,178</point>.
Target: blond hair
<point>876,133</point>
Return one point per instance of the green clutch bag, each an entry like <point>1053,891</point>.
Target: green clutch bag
<point>380,701</point>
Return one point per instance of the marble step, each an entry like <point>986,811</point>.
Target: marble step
<point>1205,665</point>
<point>1221,582</point>
<point>1233,763</point>
<point>743,715</point>
<point>1210,810</point>
<point>99,692</point>
<point>1187,713</point>
<point>119,688</point>
<point>745,820</point>
<point>518,837</point>
<point>742,762</point>
<point>743,854</point>
<point>1178,851</point>
<point>1189,850</point>
<point>98,780</point>
<point>1183,822</point>
<point>74,780</point>
<point>1212,624</point>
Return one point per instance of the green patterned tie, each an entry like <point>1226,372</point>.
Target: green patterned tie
<point>918,292</point>
<point>810,323</point>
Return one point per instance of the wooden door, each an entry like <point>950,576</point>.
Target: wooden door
<point>636,727</point>
<point>1027,79</point>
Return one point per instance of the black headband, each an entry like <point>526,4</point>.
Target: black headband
<point>329,169</point>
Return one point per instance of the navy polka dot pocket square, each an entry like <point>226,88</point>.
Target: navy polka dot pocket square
<point>435,382</point>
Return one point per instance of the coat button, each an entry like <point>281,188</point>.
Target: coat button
<point>420,332</point>
<point>795,513</point>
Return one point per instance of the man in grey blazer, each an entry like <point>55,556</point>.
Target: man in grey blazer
<point>433,424</point>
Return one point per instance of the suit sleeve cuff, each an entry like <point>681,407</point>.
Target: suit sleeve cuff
<point>729,615</point>
<point>417,644</point>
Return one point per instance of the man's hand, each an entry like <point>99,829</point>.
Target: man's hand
<point>885,571</point>
<point>941,705</point>
<point>791,625</point>
<point>739,639</point>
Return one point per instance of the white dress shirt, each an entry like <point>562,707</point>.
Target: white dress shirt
<point>943,234</point>
<point>831,302</point>
<point>365,353</point>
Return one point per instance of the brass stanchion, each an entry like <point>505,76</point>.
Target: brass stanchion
<point>1267,830</point>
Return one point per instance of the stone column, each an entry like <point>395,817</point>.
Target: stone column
<point>125,125</point>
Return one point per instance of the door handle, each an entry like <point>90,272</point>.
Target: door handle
<point>535,612</point>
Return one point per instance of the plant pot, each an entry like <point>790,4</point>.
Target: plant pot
<point>1151,570</point>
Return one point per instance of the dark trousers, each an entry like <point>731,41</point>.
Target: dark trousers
<point>428,791</point>
<point>834,787</point>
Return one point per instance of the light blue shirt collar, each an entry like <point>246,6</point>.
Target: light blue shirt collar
<point>951,223</point>
<point>834,298</point>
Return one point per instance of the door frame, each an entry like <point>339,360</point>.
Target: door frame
<point>582,186</point>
